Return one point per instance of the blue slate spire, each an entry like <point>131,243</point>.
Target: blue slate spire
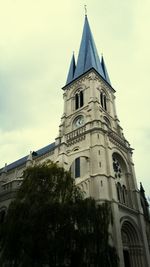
<point>105,70</point>
<point>90,60</point>
<point>88,57</point>
<point>71,70</point>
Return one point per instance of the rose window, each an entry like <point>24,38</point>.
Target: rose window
<point>117,168</point>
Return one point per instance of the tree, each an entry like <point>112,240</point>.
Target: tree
<point>50,223</point>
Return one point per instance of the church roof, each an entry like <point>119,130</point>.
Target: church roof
<point>37,153</point>
<point>88,57</point>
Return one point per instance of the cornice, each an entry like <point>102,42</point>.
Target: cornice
<point>87,75</point>
<point>118,141</point>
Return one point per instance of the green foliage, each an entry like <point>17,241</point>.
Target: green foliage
<point>51,224</point>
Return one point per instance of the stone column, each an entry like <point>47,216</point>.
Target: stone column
<point>117,234</point>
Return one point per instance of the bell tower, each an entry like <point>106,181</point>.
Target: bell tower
<point>92,145</point>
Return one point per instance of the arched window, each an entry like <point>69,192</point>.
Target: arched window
<point>119,193</point>
<point>105,106</point>
<point>117,167</point>
<point>80,167</point>
<point>103,100</point>
<point>77,167</point>
<point>79,99</point>
<point>76,101</point>
<point>124,194</point>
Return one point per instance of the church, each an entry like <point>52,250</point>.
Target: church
<point>91,144</point>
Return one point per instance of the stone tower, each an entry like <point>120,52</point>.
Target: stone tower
<point>91,143</point>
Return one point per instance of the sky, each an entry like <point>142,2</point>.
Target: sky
<point>37,39</point>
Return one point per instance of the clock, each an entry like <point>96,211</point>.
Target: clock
<point>79,121</point>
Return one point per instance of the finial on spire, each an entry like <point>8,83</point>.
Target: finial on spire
<point>85,8</point>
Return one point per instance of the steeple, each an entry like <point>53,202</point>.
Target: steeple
<point>105,70</point>
<point>88,57</point>
<point>71,70</point>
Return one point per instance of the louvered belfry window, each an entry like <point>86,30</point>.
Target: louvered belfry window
<point>79,99</point>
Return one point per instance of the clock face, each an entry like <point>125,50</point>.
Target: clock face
<point>79,121</point>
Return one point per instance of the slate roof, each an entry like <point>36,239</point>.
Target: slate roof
<point>105,70</point>
<point>88,57</point>
<point>23,160</point>
<point>71,70</point>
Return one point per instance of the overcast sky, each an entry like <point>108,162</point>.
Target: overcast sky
<point>37,38</point>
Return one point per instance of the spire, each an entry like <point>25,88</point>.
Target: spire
<point>105,70</point>
<point>141,188</point>
<point>29,160</point>
<point>90,60</point>
<point>71,70</point>
<point>142,193</point>
<point>88,57</point>
<point>4,170</point>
